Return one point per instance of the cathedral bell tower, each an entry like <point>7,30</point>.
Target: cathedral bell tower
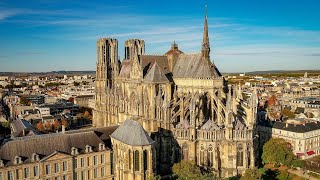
<point>107,68</point>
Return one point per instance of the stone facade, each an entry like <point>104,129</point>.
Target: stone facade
<point>133,152</point>
<point>303,136</point>
<point>78,155</point>
<point>181,100</point>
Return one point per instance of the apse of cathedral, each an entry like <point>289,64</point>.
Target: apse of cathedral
<point>181,101</point>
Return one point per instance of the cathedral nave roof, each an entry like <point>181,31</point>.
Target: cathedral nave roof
<point>194,66</point>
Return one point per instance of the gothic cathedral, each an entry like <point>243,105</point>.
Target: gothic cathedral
<point>170,108</point>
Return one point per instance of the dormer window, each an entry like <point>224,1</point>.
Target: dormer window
<point>88,149</point>
<point>74,151</point>
<point>35,157</point>
<point>17,160</point>
<point>102,147</point>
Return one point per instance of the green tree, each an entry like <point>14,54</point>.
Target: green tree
<point>6,124</point>
<point>252,174</point>
<point>277,151</point>
<point>288,113</point>
<point>188,170</point>
<point>298,163</point>
<point>284,175</point>
<point>52,84</point>
<point>154,177</point>
<point>24,100</point>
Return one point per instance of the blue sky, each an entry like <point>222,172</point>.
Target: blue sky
<point>48,35</point>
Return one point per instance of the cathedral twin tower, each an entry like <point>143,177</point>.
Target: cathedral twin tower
<point>181,101</point>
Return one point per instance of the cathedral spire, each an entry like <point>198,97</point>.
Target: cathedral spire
<point>205,42</point>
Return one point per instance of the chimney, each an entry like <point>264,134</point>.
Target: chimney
<point>63,129</point>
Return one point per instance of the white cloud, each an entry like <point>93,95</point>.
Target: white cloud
<point>6,13</point>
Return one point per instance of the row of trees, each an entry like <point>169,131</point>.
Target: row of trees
<point>276,152</point>
<point>49,126</point>
<point>186,170</point>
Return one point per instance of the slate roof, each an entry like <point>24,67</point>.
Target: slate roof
<point>19,126</point>
<point>130,132</point>
<point>156,75</point>
<point>298,128</point>
<point>147,62</point>
<point>194,66</point>
<point>125,68</point>
<point>47,144</point>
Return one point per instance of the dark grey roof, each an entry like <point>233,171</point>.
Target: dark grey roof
<point>299,128</point>
<point>84,96</point>
<point>47,144</point>
<point>47,117</point>
<point>195,66</point>
<point>132,133</point>
<point>21,126</point>
<point>156,75</point>
<point>147,62</point>
<point>125,68</point>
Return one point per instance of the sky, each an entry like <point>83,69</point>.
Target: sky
<point>245,35</point>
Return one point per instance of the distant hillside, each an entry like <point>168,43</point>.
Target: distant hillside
<point>277,72</point>
<point>60,73</point>
<point>283,72</point>
<point>52,73</point>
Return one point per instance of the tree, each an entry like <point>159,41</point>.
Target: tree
<point>288,113</point>
<point>71,99</point>
<point>64,122</point>
<point>86,114</point>
<point>24,100</point>
<point>188,170</point>
<point>298,163</point>
<point>48,126</point>
<point>51,84</point>
<point>277,151</point>
<point>251,174</point>
<point>284,175</point>
<point>40,126</point>
<point>152,177</point>
<point>6,124</point>
<point>56,125</point>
